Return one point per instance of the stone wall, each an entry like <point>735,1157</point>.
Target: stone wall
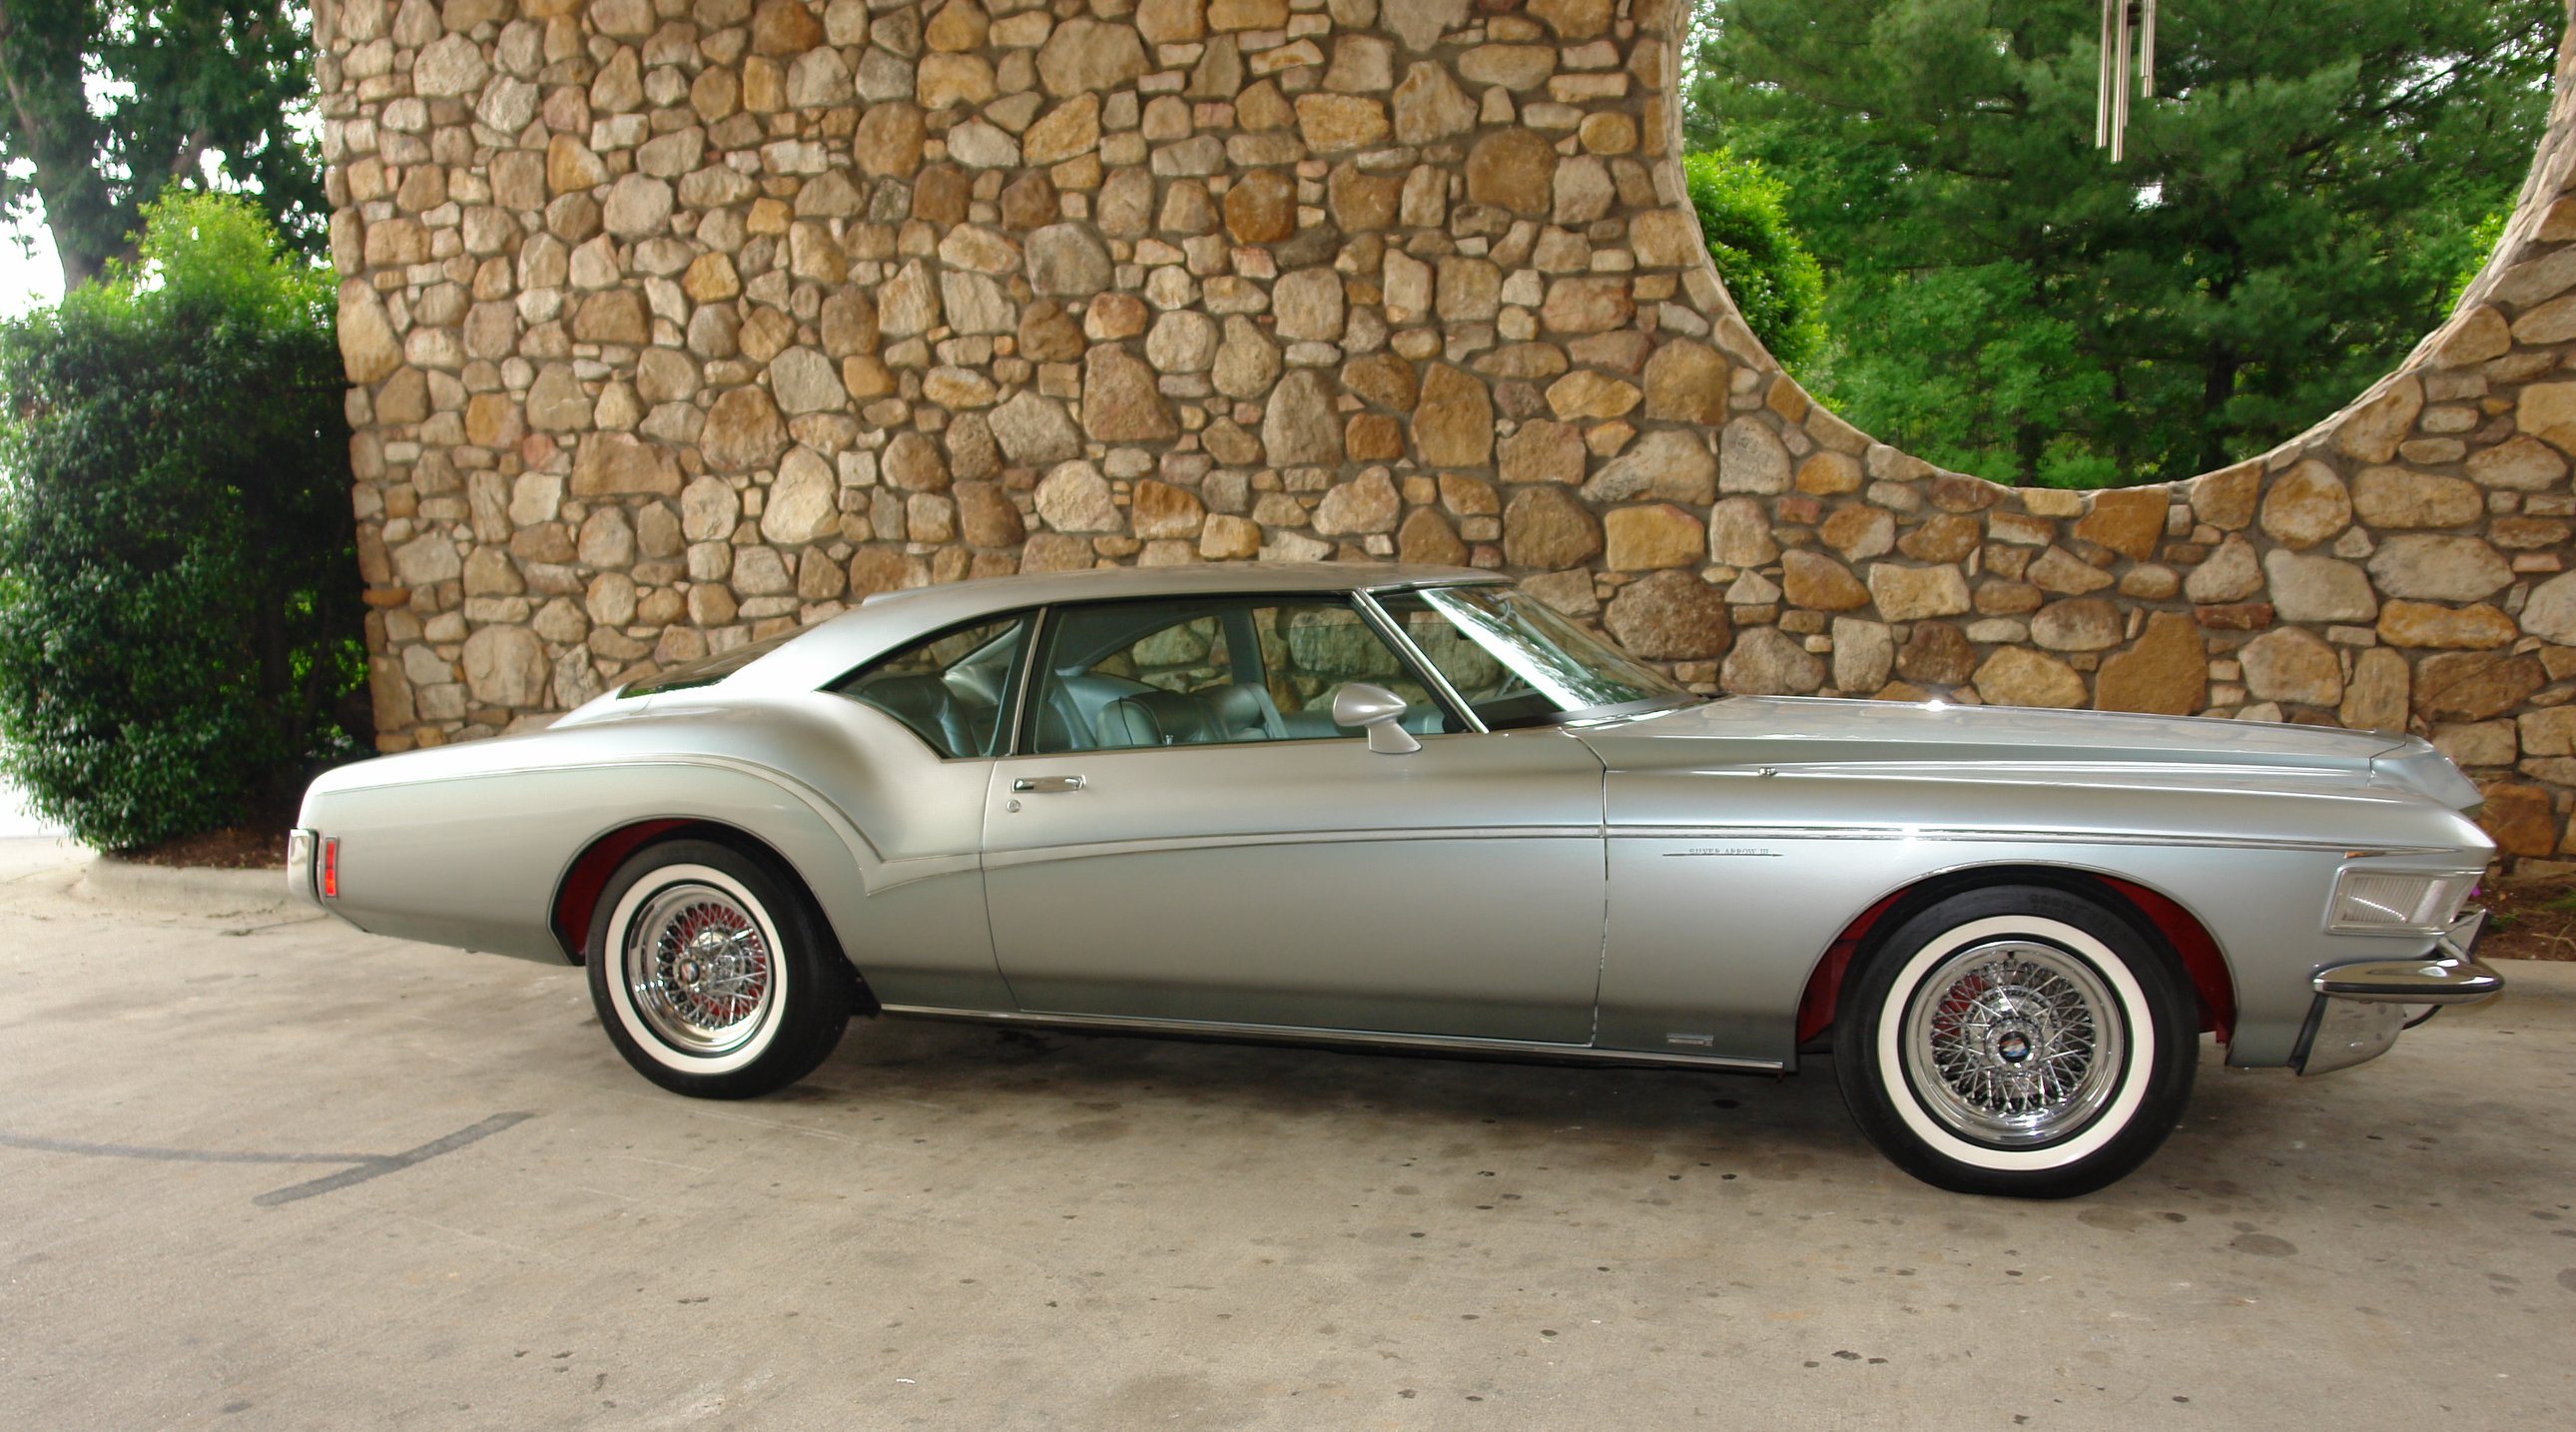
<point>670,324</point>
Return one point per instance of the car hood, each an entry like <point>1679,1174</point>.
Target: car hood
<point>1800,731</point>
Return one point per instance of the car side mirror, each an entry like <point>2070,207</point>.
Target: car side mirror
<point>1378,711</point>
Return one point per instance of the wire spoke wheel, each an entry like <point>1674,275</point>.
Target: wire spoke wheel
<point>2013,1043</point>
<point>701,972</point>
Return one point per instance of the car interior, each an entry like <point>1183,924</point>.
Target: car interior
<point>1120,676</point>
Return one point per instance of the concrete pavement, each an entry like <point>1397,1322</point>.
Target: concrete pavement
<point>260,1170</point>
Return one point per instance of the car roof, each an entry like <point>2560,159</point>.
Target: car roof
<point>887,620</point>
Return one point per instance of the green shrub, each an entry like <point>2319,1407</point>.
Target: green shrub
<point>1776,284</point>
<point>179,613</point>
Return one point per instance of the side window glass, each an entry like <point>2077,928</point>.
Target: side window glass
<point>950,690</point>
<point>1310,650</point>
<point>1211,672</point>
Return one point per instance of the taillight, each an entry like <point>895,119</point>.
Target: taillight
<point>331,868</point>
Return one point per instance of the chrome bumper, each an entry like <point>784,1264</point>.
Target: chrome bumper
<point>2360,1008</point>
<point>303,847</point>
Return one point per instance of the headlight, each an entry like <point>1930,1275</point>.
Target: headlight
<point>2380,902</point>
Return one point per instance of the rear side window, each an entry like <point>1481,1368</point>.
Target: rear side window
<point>951,690</point>
<point>710,669</point>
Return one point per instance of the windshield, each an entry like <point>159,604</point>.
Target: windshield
<point>1516,662</point>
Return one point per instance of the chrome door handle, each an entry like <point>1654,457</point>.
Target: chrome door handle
<point>1047,785</point>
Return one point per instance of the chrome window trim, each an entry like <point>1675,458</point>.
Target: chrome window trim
<point>1148,845</point>
<point>1456,1043</point>
<point>1994,836</point>
<point>1433,678</point>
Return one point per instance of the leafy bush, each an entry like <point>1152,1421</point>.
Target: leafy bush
<point>179,613</point>
<point>1776,284</point>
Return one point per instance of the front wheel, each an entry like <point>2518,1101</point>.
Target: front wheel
<point>2017,1040</point>
<point>712,973</point>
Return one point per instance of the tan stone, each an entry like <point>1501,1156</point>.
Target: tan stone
<point>1512,169</point>
<point>1669,464</point>
<point>1159,509</point>
<point>2372,431</point>
<point>2548,733</point>
<point>2375,699</point>
<point>2402,497</point>
<point>1819,583</point>
<point>1586,305</point>
<point>1366,504</point>
<point>2551,611</point>
<point>1226,537</point>
<point>1669,616</point>
<point>1087,54</point>
<point>2078,624</point>
<point>2520,464</point>
<point>1120,400</point>
<point>784,27</point>
<point>2166,672</point>
<point>1429,106</point>
<point>2548,411</point>
<point>505,666</point>
<point>1943,537</point>
<point>1686,382</point>
<point>1936,655</point>
<point>1382,379</point>
<point>2448,569</point>
<point>2306,506</point>
<point>614,464</point>
<point>1331,123</point>
<point>1543,451</point>
<point>1261,207</point>
<point>2475,686</point>
<point>1647,538</point>
<point>2319,589</point>
<point>1907,594</point>
<point>1427,537</point>
<point>1299,426</point>
<point>2422,624</point>
<point>2521,819</point>
<point>1453,424</point>
<point>1573,19</point>
<point>1070,129</point>
<point>2128,521</point>
<point>2016,677</point>
<point>2290,665</point>
<point>2225,500</point>
<point>742,431</point>
<point>1547,527</point>
<point>1076,498</point>
<point>1587,394</point>
<point>1768,662</point>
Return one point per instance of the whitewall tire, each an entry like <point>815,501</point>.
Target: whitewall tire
<point>2017,1040</point>
<point>712,973</point>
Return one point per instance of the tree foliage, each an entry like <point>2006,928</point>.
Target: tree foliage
<point>1776,284</point>
<point>2298,206</point>
<point>109,101</point>
<point>178,595</point>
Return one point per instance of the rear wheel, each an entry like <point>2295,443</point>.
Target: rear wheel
<point>2017,1040</point>
<point>712,973</point>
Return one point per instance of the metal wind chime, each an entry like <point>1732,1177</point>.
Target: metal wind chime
<point>2128,28</point>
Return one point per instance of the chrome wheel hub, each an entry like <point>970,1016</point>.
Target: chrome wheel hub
<point>701,972</point>
<point>2013,1043</point>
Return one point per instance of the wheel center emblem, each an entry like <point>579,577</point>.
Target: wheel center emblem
<point>2014,1047</point>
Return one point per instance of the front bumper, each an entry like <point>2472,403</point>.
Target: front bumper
<point>2360,1008</point>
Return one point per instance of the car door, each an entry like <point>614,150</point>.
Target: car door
<point>1186,836</point>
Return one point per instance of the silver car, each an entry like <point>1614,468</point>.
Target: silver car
<point>1415,807</point>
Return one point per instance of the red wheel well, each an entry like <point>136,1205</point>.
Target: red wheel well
<point>2182,931</point>
<point>578,895</point>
